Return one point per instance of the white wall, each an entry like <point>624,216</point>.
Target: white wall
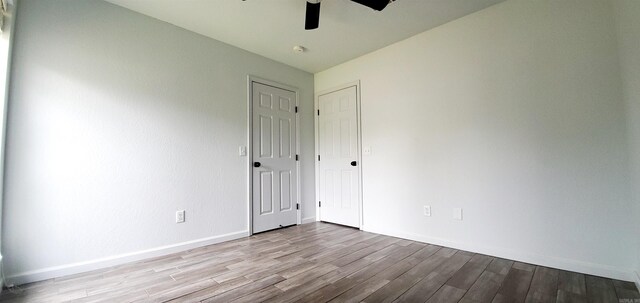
<point>627,14</point>
<point>5,63</point>
<point>515,114</point>
<point>117,120</point>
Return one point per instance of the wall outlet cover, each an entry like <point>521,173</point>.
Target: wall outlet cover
<point>180,216</point>
<point>427,211</point>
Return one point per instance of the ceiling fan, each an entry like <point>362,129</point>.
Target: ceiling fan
<point>312,18</point>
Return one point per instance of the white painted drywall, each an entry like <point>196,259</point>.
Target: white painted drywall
<point>515,114</point>
<point>116,120</point>
<point>627,14</point>
<point>5,64</point>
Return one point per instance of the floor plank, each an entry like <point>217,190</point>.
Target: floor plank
<point>515,286</point>
<point>430,284</point>
<point>487,285</point>
<point>600,290</point>
<point>399,266</point>
<point>447,294</point>
<point>469,273</point>
<point>569,297</point>
<point>544,285</point>
<point>626,291</point>
<point>572,282</point>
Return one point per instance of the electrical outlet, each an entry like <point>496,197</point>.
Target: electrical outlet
<point>427,211</point>
<point>180,216</point>
<point>457,214</point>
<point>242,151</point>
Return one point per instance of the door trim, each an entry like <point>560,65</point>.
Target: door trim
<point>316,119</point>
<point>250,80</point>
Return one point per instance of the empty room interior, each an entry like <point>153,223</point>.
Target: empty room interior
<point>320,151</point>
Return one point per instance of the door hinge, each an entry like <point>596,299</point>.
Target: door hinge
<point>318,157</point>
<point>318,112</point>
<point>319,203</point>
<point>296,109</point>
<point>297,205</point>
<point>297,157</point>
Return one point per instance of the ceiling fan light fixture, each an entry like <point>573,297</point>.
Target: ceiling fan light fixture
<point>312,13</point>
<point>374,4</point>
<point>312,18</point>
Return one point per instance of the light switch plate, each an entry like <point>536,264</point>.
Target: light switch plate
<point>366,151</point>
<point>242,150</point>
<point>457,214</point>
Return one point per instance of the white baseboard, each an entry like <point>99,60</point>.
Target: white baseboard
<point>548,261</point>
<point>308,220</point>
<point>75,268</point>
<point>1,275</point>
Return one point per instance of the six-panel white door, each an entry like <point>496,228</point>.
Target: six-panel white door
<point>275,189</point>
<point>338,145</point>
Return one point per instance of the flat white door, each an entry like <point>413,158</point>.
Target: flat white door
<point>275,188</point>
<point>338,151</point>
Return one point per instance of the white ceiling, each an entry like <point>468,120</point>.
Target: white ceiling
<point>272,27</point>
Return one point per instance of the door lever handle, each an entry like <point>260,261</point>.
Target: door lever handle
<point>256,164</point>
<point>353,163</point>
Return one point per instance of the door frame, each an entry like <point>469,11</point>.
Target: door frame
<point>316,107</point>
<point>250,80</point>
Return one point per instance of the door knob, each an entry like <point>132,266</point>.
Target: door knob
<point>256,164</point>
<point>353,163</point>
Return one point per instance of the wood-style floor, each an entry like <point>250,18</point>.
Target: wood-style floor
<point>322,262</point>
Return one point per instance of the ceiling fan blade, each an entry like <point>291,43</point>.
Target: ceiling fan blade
<point>375,4</point>
<point>312,18</point>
